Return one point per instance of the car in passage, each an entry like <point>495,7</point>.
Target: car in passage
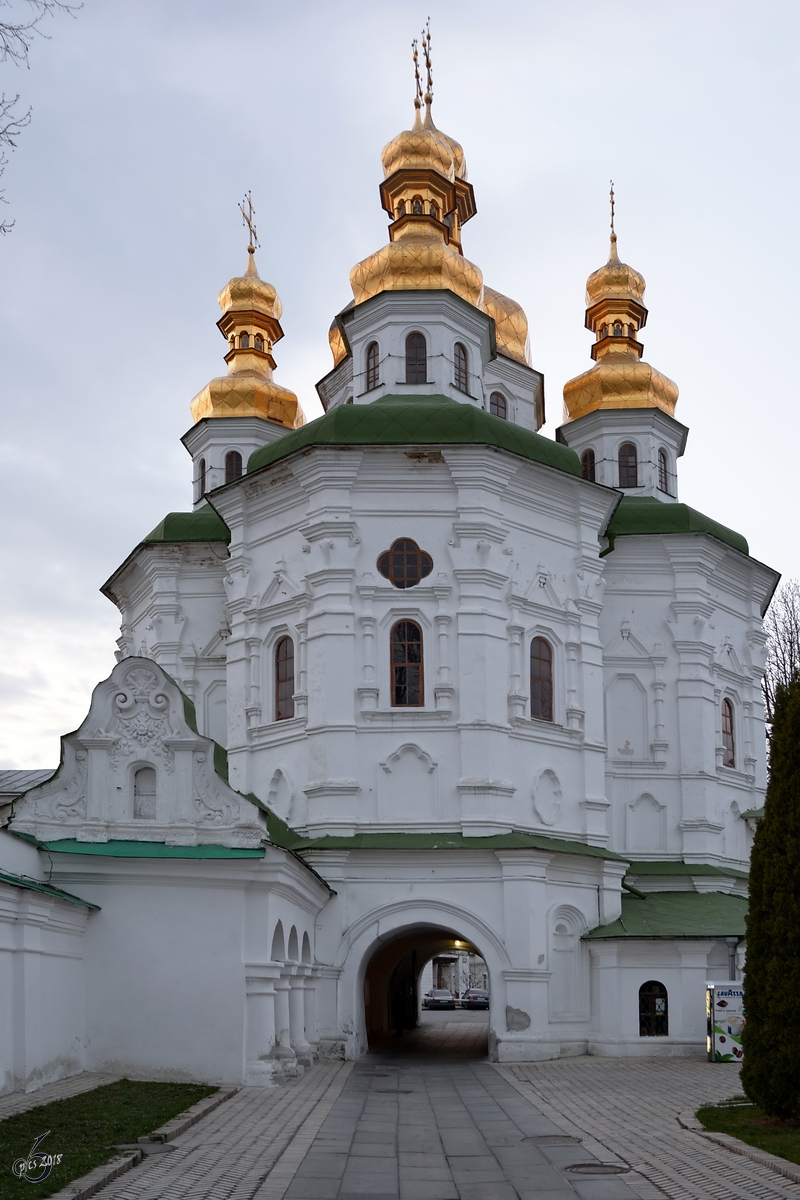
<point>475,998</point>
<point>439,998</point>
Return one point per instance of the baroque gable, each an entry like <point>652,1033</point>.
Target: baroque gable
<point>138,770</point>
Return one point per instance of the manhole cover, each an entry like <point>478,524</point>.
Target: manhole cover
<point>598,1168</point>
<point>553,1139</point>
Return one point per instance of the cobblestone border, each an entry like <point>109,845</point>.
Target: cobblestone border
<point>689,1121</point>
<point>87,1185</point>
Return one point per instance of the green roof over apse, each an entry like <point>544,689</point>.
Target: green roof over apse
<point>417,421</point>
<point>636,515</point>
<point>677,914</point>
<point>281,835</point>
<point>654,867</point>
<point>202,525</point>
<point>121,849</point>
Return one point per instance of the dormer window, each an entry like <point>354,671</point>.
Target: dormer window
<point>498,406</point>
<point>460,371</point>
<point>244,341</point>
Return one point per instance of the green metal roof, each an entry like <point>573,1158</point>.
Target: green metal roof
<point>282,835</point>
<point>202,525</point>
<point>683,868</point>
<point>636,515</point>
<point>417,420</point>
<point>677,914</point>
<point>47,889</point>
<point>114,849</point>
<point>753,813</point>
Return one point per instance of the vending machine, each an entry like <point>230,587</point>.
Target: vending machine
<point>725,1021</point>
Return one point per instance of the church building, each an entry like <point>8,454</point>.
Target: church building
<point>406,678</point>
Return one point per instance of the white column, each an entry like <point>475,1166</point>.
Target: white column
<point>297,1026</point>
<point>283,1040</point>
<point>260,1065</point>
<point>310,1011</point>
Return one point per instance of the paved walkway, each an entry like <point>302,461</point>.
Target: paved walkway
<point>411,1125</point>
<point>19,1102</point>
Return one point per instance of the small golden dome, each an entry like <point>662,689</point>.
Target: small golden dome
<point>457,151</point>
<point>250,293</point>
<point>417,148</point>
<point>248,394</point>
<point>418,259</point>
<point>614,280</point>
<point>619,381</point>
<point>336,341</point>
<point>510,323</point>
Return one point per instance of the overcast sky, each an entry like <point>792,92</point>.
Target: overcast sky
<point>151,118</point>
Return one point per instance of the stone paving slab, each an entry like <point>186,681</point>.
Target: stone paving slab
<point>628,1108</point>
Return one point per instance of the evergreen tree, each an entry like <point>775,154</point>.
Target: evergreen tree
<point>771,1037</point>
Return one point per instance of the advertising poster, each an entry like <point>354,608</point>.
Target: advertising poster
<point>725,1020</point>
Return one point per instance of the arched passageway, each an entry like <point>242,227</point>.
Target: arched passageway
<point>395,1021</point>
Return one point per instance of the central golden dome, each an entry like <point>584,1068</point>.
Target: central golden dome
<point>417,148</point>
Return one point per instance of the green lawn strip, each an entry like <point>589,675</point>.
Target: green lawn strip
<point>746,1124</point>
<point>85,1128</point>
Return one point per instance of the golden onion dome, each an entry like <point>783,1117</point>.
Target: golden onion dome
<point>619,381</point>
<point>336,342</point>
<point>614,280</point>
<point>418,259</point>
<point>250,293</point>
<point>419,147</point>
<point>248,394</point>
<point>510,323</point>
<point>457,151</point>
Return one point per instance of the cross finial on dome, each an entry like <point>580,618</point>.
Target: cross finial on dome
<point>613,256</point>
<point>248,215</point>
<point>426,50</point>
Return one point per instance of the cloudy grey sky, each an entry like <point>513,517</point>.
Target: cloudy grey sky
<point>151,118</point>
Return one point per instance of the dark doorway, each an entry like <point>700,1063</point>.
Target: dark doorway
<point>395,1021</point>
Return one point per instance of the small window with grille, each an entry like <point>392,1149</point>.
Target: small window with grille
<point>498,406</point>
<point>284,679</point>
<point>728,741</point>
<point>541,680</point>
<point>233,466</point>
<point>404,564</point>
<point>588,465</point>
<point>406,664</point>
<point>373,369</point>
<point>653,1010</point>
<point>416,359</point>
<point>663,472</point>
<point>628,466</point>
<point>460,370</point>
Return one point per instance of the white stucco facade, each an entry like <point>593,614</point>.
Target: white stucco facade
<point>250,857</point>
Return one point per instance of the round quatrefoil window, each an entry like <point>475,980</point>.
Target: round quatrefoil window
<point>404,563</point>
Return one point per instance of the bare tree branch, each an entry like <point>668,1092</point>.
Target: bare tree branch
<point>782,627</point>
<point>16,39</point>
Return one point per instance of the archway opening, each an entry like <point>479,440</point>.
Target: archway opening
<point>420,959</point>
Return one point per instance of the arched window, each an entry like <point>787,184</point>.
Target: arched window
<point>401,209</point>
<point>258,342</point>
<point>434,209</point>
<point>541,680</point>
<point>373,372</point>
<point>617,329</point>
<point>404,564</point>
<point>728,742</point>
<point>244,341</point>
<point>461,374</point>
<point>144,794</point>
<point>588,465</point>
<point>201,479</point>
<point>497,405</point>
<point>653,1015</point>
<point>416,206</point>
<point>628,466</point>
<point>663,474</point>
<point>416,359</point>
<point>284,679</point>
<point>407,682</point>
<point>233,466</point>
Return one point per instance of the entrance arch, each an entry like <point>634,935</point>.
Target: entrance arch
<point>375,945</point>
